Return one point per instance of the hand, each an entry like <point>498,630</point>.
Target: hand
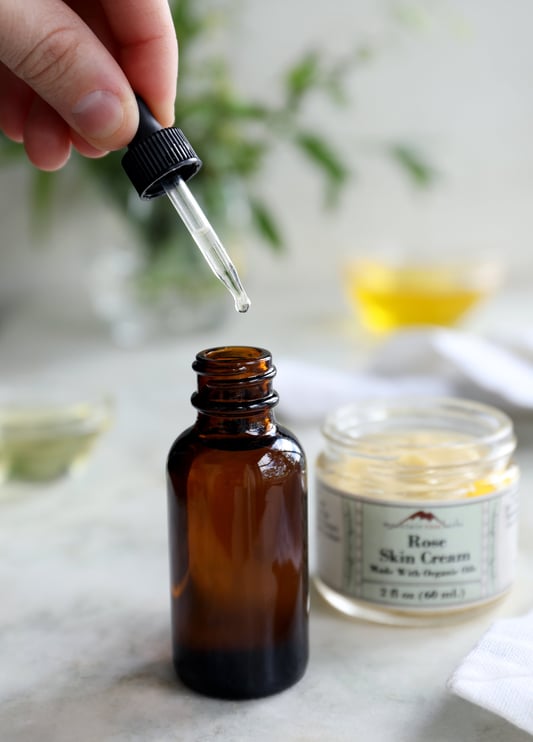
<point>68,71</point>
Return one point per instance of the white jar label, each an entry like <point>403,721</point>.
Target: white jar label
<point>417,555</point>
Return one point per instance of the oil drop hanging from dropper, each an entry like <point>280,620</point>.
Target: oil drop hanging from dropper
<point>159,161</point>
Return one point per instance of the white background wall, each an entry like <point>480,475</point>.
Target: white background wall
<point>460,86</point>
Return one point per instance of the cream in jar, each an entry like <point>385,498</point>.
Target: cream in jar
<point>416,510</point>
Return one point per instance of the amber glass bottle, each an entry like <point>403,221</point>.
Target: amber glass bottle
<point>238,534</point>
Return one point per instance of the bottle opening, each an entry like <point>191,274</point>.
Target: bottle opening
<point>237,361</point>
<point>234,353</point>
<point>234,378</point>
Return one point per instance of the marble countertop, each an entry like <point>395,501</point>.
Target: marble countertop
<point>84,617</point>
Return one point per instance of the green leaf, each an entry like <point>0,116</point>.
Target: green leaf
<point>244,110</point>
<point>412,162</point>
<point>318,150</point>
<point>303,75</point>
<point>265,223</point>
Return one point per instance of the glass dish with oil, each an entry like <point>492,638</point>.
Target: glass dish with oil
<point>388,294</point>
<point>43,438</point>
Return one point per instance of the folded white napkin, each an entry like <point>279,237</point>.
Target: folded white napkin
<point>418,362</point>
<point>498,672</point>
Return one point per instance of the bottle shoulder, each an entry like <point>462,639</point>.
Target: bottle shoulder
<point>184,441</point>
<point>289,436</point>
<point>191,443</point>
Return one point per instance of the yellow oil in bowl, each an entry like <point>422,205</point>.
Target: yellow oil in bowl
<point>388,296</point>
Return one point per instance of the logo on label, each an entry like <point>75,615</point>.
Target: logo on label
<point>423,519</point>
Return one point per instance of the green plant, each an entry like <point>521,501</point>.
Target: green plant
<point>234,135</point>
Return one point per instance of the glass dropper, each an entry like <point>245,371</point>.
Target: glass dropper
<point>207,240</point>
<point>159,161</point>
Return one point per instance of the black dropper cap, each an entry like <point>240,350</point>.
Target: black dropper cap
<point>155,153</point>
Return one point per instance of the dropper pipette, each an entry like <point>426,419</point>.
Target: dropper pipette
<point>159,161</point>
<point>207,240</point>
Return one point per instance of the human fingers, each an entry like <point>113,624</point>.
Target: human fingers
<point>147,51</point>
<point>46,136</point>
<point>15,102</point>
<point>83,148</point>
<point>15,105</point>
<point>143,29</point>
<point>48,46</point>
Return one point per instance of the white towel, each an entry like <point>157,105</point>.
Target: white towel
<point>419,362</point>
<point>498,672</point>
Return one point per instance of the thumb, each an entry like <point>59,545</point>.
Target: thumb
<point>48,46</point>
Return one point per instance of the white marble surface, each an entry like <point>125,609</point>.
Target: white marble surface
<point>84,616</point>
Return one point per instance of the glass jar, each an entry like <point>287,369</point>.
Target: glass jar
<point>417,510</point>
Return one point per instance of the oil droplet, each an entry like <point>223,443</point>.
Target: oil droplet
<point>242,303</point>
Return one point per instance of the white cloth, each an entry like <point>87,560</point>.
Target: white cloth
<point>419,362</point>
<point>498,672</point>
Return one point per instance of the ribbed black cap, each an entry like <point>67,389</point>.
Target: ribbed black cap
<point>156,153</point>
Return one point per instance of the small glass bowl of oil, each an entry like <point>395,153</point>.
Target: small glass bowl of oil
<point>388,293</point>
<point>45,438</point>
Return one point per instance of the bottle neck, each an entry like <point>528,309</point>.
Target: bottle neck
<point>250,425</point>
<point>235,394</point>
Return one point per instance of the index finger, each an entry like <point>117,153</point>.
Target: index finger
<point>147,51</point>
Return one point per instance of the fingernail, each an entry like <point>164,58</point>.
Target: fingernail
<point>99,114</point>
